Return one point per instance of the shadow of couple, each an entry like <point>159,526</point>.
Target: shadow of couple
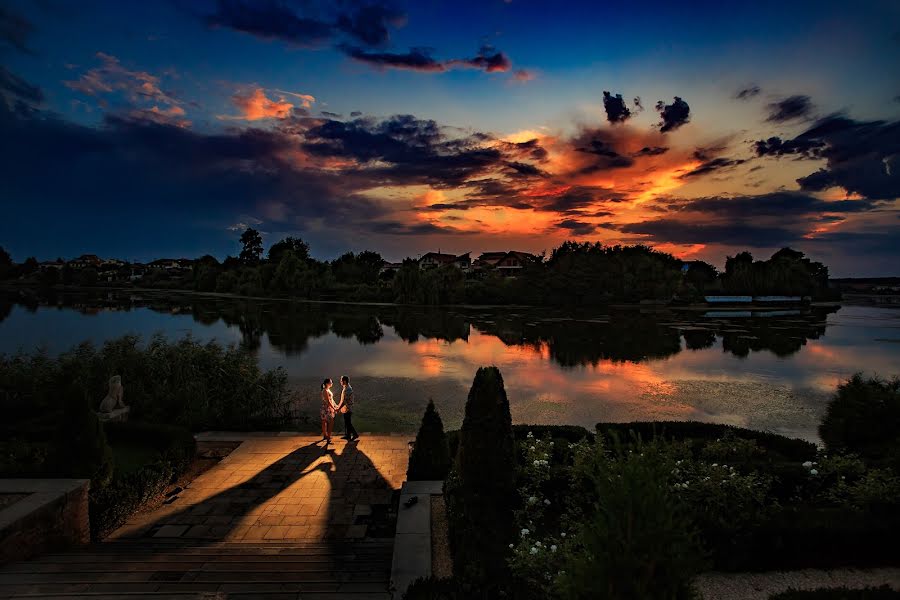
<point>310,493</point>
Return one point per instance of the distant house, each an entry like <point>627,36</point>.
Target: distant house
<point>171,265</point>
<point>437,259</point>
<point>389,267</point>
<point>137,271</point>
<point>57,264</point>
<point>509,263</point>
<point>86,260</point>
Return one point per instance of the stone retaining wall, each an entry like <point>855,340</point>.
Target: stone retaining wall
<point>53,516</point>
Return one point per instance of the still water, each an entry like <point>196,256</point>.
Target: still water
<point>771,371</point>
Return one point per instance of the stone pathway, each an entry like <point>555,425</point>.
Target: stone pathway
<point>285,489</point>
<point>282,516</point>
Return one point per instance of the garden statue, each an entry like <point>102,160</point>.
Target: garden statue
<point>113,400</point>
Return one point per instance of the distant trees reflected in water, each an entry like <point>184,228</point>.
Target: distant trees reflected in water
<point>627,335</point>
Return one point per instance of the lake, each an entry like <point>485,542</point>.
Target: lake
<point>773,371</point>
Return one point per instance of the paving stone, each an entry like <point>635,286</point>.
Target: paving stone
<point>171,531</point>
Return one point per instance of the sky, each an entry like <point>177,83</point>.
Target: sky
<point>164,128</point>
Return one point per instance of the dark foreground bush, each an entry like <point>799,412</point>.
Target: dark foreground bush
<point>637,541</point>
<point>481,493</point>
<point>430,458</point>
<point>777,446</point>
<point>870,593</point>
<point>864,418</point>
<point>112,505</point>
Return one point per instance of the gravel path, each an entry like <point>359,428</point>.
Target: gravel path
<point>759,586</point>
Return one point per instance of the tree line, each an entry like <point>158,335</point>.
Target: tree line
<point>574,274</point>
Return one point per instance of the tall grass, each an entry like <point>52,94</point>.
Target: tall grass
<point>184,382</point>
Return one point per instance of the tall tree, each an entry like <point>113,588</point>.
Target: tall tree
<point>6,264</point>
<point>295,245</point>
<point>252,246</point>
<point>486,469</point>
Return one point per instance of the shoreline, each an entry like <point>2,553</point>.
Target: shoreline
<point>658,306</point>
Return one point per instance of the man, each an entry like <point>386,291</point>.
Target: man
<point>346,408</point>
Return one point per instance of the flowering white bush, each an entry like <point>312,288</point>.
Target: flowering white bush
<point>537,556</point>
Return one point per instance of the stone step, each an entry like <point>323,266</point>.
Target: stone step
<point>193,587</point>
<point>178,569</point>
<point>229,559</point>
<point>208,595</point>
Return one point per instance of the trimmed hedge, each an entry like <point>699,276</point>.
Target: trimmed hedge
<point>870,593</point>
<point>112,505</point>
<point>568,433</point>
<point>820,538</point>
<point>779,446</point>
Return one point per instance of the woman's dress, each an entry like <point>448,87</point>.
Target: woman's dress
<point>327,410</point>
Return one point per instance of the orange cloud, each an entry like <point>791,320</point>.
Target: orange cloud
<point>255,105</point>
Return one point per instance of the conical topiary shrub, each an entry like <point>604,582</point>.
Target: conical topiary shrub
<point>430,458</point>
<point>482,491</point>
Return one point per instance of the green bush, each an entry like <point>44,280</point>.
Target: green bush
<point>482,494</point>
<point>637,541</point>
<point>184,382</point>
<point>112,505</point>
<point>430,458</point>
<point>726,505</point>
<point>864,418</point>
<point>870,593</point>
<point>777,446</point>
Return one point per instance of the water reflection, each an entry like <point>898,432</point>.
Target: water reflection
<point>623,336</point>
<point>756,369</point>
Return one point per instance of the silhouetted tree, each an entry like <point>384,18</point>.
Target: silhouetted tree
<point>407,283</point>
<point>252,246</point>
<point>206,271</point>
<point>701,275</point>
<point>430,458</point>
<point>295,245</point>
<point>29,266</point>
<point>6,264</point>
<point>482,505</point>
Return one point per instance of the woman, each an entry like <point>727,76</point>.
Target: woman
<point>327,410</point>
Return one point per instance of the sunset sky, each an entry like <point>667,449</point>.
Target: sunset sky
<point>163,128</point>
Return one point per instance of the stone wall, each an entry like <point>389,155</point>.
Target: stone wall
<point>53,517</point>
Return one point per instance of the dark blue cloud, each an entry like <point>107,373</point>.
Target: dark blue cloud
<point>307,24</point>
<point>789,109</point>
<point>14,30</point>
<point>861,156</point>
<point>488,60</point>
<point>616,111</point>
<point>673,115</point>
<point>747,92</point>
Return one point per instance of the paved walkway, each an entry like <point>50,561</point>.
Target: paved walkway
<point>281,517</point>
<point>285,489</point>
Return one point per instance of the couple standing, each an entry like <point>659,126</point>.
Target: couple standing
<point>345,407</point>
